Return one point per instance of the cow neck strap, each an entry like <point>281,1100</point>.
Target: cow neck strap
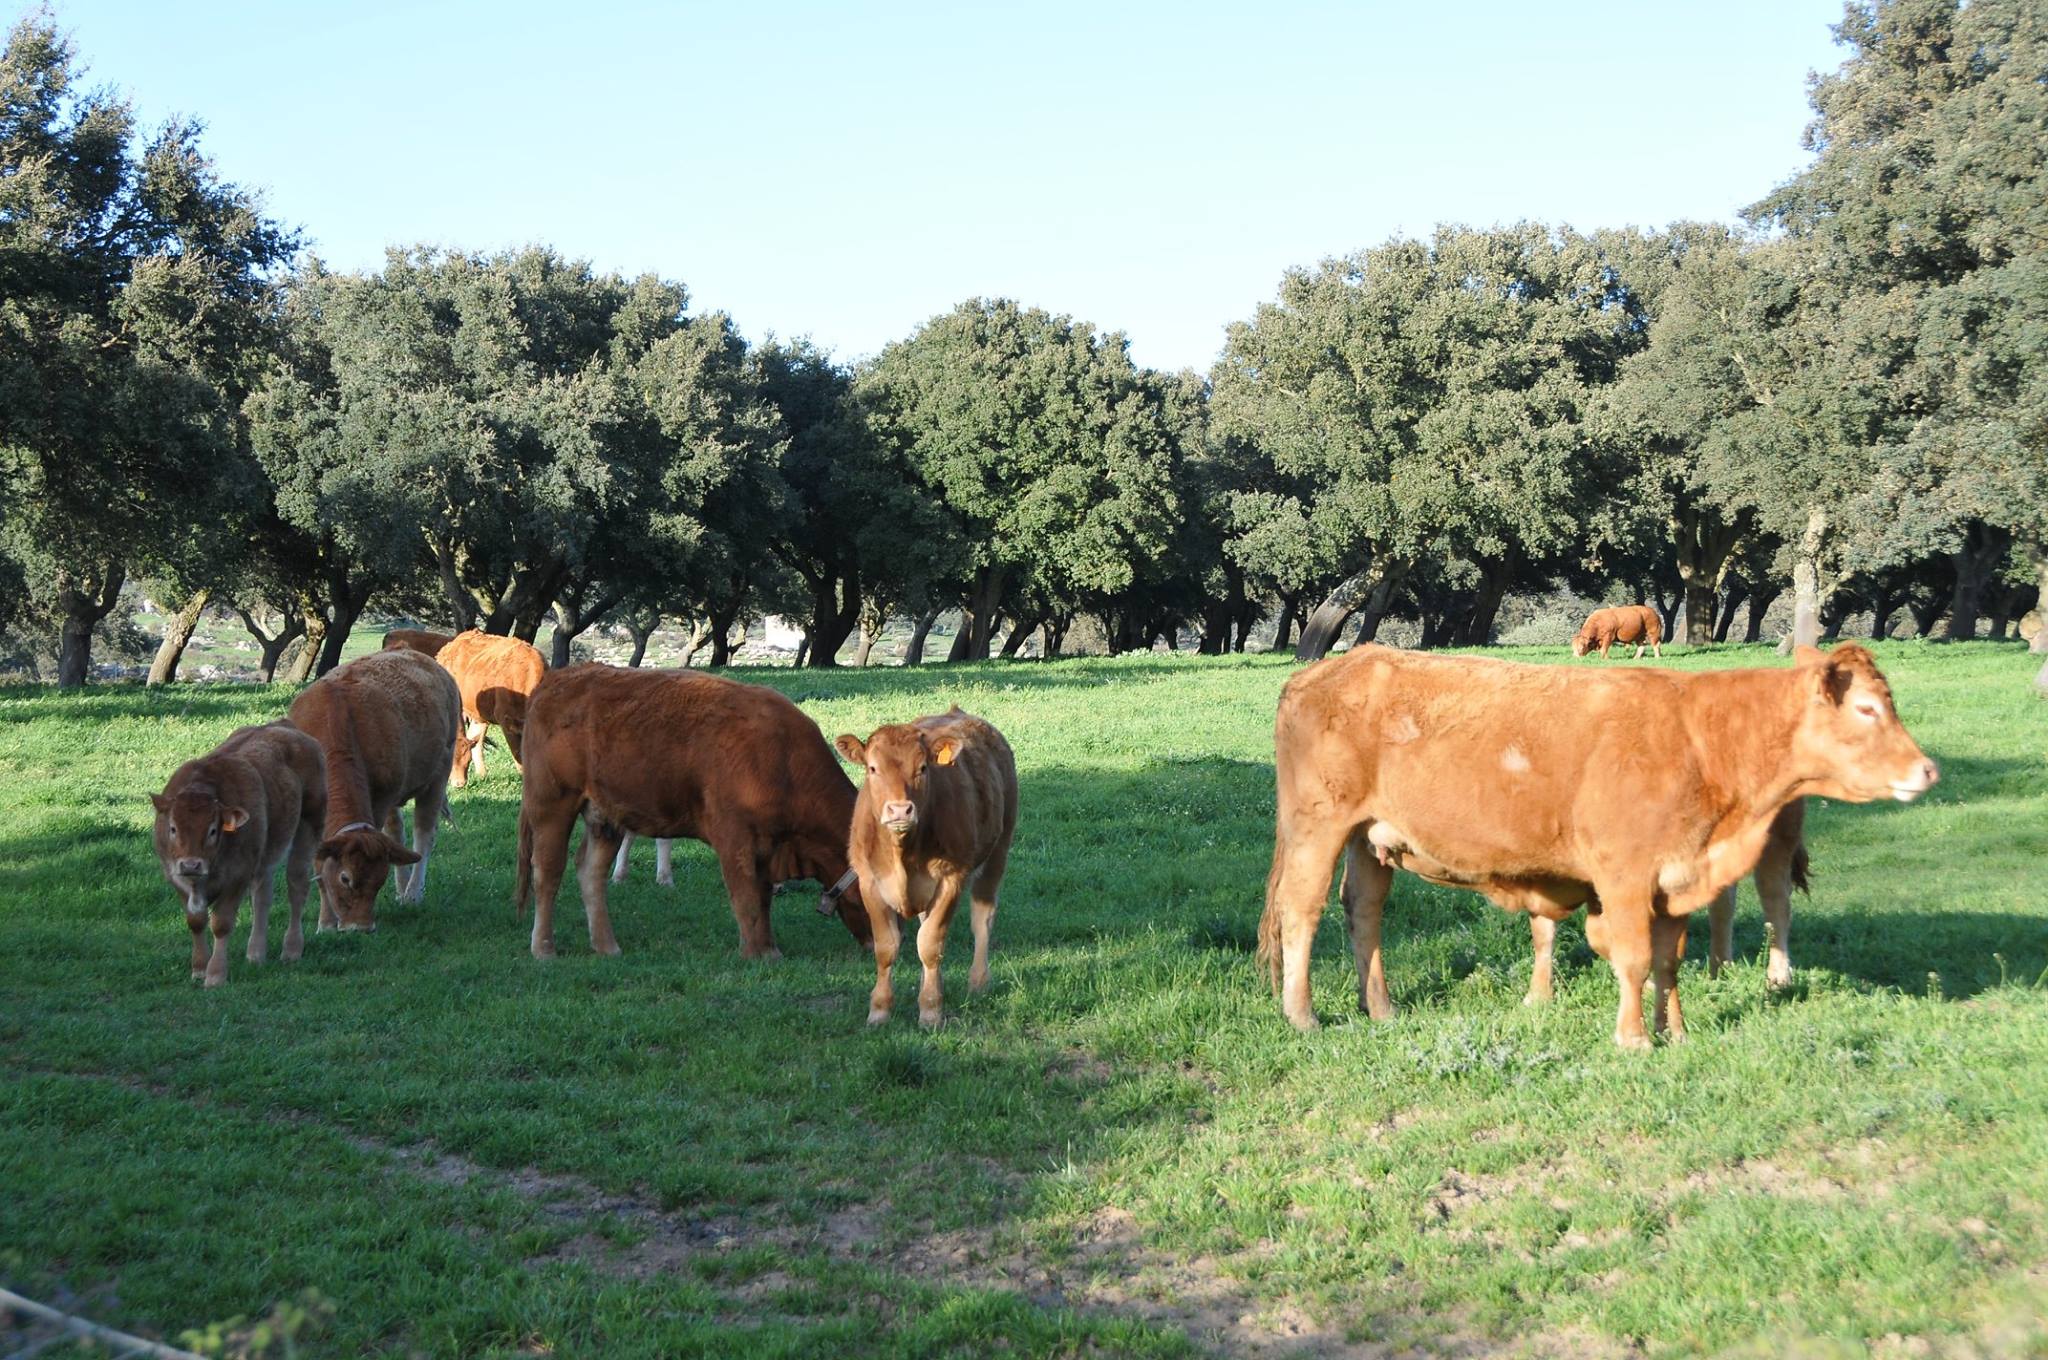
<point>355,826</point>
<point>828,902</point>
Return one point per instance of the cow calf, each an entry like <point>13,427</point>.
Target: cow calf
<point>223,825</point>
<point>936,815</point>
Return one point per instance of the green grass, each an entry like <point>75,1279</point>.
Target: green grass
<point>1121,1149</point>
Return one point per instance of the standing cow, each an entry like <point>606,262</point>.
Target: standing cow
<point>1779,869</point>
<point>680,753</point>
<point>1624,623</point>
<point>223,825</point>
<point>936,814</point>
<point>1532,785</point>
<point>495,675</point>
<point>387,724</point>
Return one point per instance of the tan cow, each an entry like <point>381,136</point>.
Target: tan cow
<point>680,753</point>
<point>1623,623</point>
<point>936,814</point>
<point>416,640</point>
<point>387,724</point>
<point>495,675</point>
<point>1781,868</point>
<point>1534,785</point>
<point>223,825</point>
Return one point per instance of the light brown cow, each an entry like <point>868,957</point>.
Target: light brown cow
<point>1623,623</point>
<point>495,675</point>
<point>223,825</point>
<point>1535,786</point>
<point>680,753</point>
<point>1779,869</point>
<point>386,723</point>
<point>416,640</point>
<point>936,815</point>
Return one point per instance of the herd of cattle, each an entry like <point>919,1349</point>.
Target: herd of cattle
<point>1639,795</point>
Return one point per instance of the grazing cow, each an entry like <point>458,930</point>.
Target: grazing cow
<point>680,753</point>
<point>387,724</point>
<point>1624,623</point>
<point>223,825</point>
<point>495,675</point>
<point>416,640</point>
<point>1534,785</point>
<point>1781,868</point>
<point>664,860</point>
<point>936,814</point>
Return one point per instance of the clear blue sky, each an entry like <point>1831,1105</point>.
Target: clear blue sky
<point>846,171</point>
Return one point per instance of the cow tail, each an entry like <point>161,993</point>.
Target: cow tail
<point>523,876</point>
<point>1800,879</point>
<point>1269,923</point>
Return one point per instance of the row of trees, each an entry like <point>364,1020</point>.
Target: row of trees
<point>1847,397</point>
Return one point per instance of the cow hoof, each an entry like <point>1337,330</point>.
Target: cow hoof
<point>1380,1016</point>
<point>292,949</point>
<point>1779,977</point>
<point>1632,1043</point>
<point>1306,1023</point>
<point>977,982</point>
<point>610,949</point>
<point>199,975</point>
<point>212,981</point>
<point>543,951</point>
<point>931,1019</point>
<point>877,1016</point>
<point>1536,998</point>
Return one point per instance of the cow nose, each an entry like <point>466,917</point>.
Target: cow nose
<point>1930,773</point>
<point>902,811</point>
<point>192,868</point>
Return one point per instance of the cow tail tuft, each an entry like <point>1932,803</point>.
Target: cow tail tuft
<point>1800,864</point>
<point>1270,957</point>
<point>523,876</point>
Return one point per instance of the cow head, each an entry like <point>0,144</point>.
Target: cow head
<point>1849,743</point>
<point>353,865</point>
<point>194,829</point>
<point>465,751</point>
<point>898,760</point>
<point>1582,642</point>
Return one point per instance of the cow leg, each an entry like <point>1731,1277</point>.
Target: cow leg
<point>259,920</point>
<point>1621,935</point>
<point>1721,931</point>
<point>749,891</point>
<point>619,860</point>
<point>426,824</point>
<point>550,828</point>
<point>477,728</point>
<point>223,926</point>
<point>1364,893</point>
<point>1543,936</point>
<point>664,862</point>
<point>401,874</point>
<point>591,863</point>
<point>887,929</point>
<point>931,950</point>
<point>1667,943</point>
<point>983,915</point>
<point>298,874</point>
<point>198,924</point>
<point>1774,889</point>
<point>1296,892</point>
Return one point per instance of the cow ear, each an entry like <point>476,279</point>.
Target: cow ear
<point>944,749</point>
<point>328,850</point>
<point>1803,655</point>
<point>232,819</point>
<point>398,854</point>
<point>851,748</point>
<point>160,802</point>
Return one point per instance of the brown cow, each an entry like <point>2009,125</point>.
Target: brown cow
<point>416,640</point>
<point>223,825</point>
<point>936,814</point>
<point>1534,786</point>
<point>387,724</point>
<point>1781,868</point>
<point>1624,623</point>
<point>680,753</point>
<point>495,674</point>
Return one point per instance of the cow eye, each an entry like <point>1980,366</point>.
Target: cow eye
<point>1868,710</point>
<point>213,832</point>
<point>347,882</point>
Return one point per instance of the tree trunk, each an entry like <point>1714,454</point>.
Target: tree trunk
<point>865,647</point>
<point>313,635</point>
<point>2039,646</point>
<point>1056,627</point>
<point>913,652</point>
<point>1376,583</point>
<point>1831,616</point>
<point>721,639</point>
<point>1019,634</point>
<point>700,633</point>
<point>963,642</point>
<point>1705,546</point>
<point>1884,602</point>
<point>1761,598</point>
<point>290,627</point>
<point>1290,607</point>
<point>1976,560</point>
<point>83,605</point>
<point>177,633</point>
<point>1806,599</point>
<point>1732,596</point>
<point>978,621</point>
<point>1494,577</point>
<point>835,613</point>
<point>461,604</point>
<point>803,649</point>
<point>641,631</point>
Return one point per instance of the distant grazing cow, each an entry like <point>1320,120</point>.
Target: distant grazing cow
<point>495,674</point>
<point>936,814</point>
<point>1624,623</point>
<point>1534,786</point>
<point>223,825</point>
<point>664,860</point>
<point>680,753</point>
<point>1780,869</point>
<point>416,640</point>
<point>387,724</point>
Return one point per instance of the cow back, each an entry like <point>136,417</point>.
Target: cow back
<point>494,674</point>
<point>391,718</point>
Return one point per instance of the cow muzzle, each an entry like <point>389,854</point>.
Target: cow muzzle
<point>191,868</point>
<point>1923,777</point>
<point>899,817</point>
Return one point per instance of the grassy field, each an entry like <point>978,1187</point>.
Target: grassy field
<point>1120,1149</point>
